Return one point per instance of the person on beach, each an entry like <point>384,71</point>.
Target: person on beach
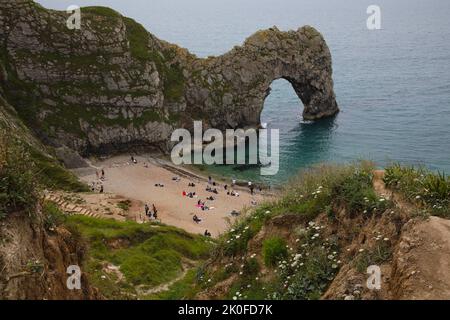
<point>147,209</point>
<point>207,233</point>
<point>252,189</point>
<point>234,213</point>
<point>101,189</point>
<point>209,180</point>
<point>103,174</point>
<point>155,212</point>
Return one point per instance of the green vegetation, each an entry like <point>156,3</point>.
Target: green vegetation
<point>380,253</point>
<point>302,268</point>
<point>310,268</point>
<point>101,11</point>
<point>124,205</point>
<point>18,183</point>
<point>54,176</point>
<point>313,192</point>
<point>172,73</point>
<point>273,250</point>
<point>53,216</point>
<point>431,191</point>
<point>147,254</point>
<point>356,192</point>
<point>235,242</point>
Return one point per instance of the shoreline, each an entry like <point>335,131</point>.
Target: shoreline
<point>138,182</point>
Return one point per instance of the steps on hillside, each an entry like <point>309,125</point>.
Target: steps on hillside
<point>69,208</point>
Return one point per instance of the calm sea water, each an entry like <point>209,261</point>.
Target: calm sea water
<point>392,85</point>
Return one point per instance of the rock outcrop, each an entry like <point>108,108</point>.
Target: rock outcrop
<point>112,85</point>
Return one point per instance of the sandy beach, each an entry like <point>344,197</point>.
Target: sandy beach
<point>136,181</point>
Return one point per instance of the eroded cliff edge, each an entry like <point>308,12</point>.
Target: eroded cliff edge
<point>112,85</point>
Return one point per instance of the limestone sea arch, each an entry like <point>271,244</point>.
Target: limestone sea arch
<point>112,85</point>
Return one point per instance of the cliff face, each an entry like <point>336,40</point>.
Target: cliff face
<point>33,260</point>
<point>112,85</point>
<point>34,254</point>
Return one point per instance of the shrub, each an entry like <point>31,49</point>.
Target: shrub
<point>315,189</point>
<point>18,186</point>
<point>273,250</point>
<point>124,205</point>
<point>422,187</point>
<point>53,216</point>
<point>356,193</point>
<point>251,267</point>
<point>381,253</point>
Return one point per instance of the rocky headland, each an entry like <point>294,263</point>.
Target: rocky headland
<point>111,85</point>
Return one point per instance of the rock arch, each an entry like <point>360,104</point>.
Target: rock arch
<point>242,77</point>
<point>104,90</point>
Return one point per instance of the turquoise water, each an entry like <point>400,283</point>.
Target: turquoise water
<point>392,85</point>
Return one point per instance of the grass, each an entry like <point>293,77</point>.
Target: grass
<point>139,39</point>
<point>273,250</point>
<point>172,73</point>
<point>235,242</point>
<point>124,205</point>
<point>53,175</point>
<point>303,270</point>
<point>183,289</point>
<point>101,11</point>
<point>379,254</point>
<point>428,190</point>
<point>147,254</point>
<point>316,190</point>
<point>18,183</point>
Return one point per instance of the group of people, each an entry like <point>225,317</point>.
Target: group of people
<point>190,194</point>
<point>202,205</point>
<point>213,190</point>
<point>97,186</point>
<point>233,193</point>
<point>100,174</point>
<point>151,213</point>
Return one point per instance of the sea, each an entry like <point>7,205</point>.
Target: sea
<point>392,84</point>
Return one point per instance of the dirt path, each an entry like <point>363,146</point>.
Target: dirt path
<point>166,286</point>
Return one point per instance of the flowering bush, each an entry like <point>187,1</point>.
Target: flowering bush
<point>421,187</point>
